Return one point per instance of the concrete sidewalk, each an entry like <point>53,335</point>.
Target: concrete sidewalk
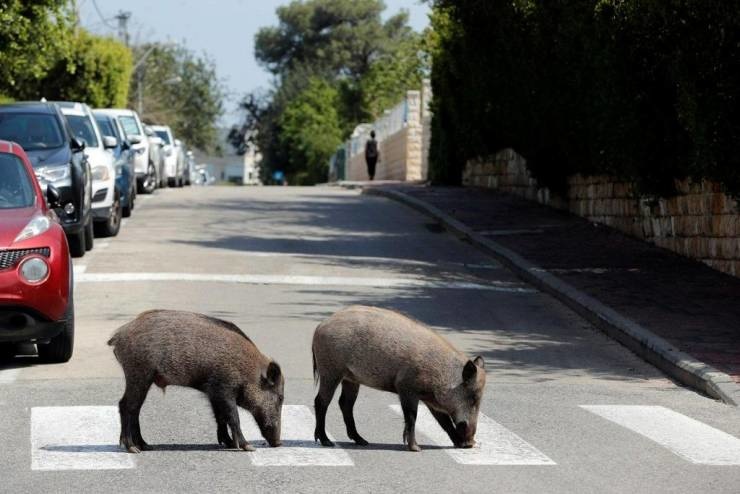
<point>676,313</point>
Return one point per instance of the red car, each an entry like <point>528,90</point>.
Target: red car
<point>35,267</point>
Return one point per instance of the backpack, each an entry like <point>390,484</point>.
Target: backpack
<point>371,149</point>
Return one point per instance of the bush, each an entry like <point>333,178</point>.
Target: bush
<point>644,90</point>
<point>96,72</point>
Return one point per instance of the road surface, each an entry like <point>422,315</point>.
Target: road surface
<point>565,410</point>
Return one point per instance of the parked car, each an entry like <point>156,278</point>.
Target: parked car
<point>156,155</point>
<point>173,161</point>
<point>145,169</point>
<point>123,157</point>
<point>36,303</point>
<point>57,159</point>
<point>106,200</point>
<point>189,172</point>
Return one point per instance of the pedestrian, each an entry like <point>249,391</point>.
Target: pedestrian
<point>371,155</point>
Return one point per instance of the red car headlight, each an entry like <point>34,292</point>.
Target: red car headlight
<point>34,269</point>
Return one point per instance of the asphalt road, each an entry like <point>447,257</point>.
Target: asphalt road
<point>566,409</point>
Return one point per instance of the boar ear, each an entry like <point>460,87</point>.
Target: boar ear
<point>478,361</point>
<point>469,371</point>
<point>272,375</point>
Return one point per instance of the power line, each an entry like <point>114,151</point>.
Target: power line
<point>102,18</point>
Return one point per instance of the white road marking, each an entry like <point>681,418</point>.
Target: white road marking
<point>102,245</point>
<point>8,376</point>
<point>495,444</point>
<point>299,447</point>
<point>77,438</point>
<point>124,223</point>
<point>78,269</point>
<point>260,279</point>
<point>688,438</point>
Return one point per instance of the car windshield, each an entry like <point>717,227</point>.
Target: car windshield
<point>82,128</point>
<point>130,127</point>
<point>164,136</point>
<point>33,131</point>
<point>16,190</point>
<point>105,126</point>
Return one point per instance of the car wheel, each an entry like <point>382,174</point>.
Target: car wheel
<point>59,349</point>
<point>77,244</point>
<point>171,182</point>
<point>111,226</point>
<point>7,351</point>
<point>89,236</point>
<point>126,211</point>
<point>150,181</point>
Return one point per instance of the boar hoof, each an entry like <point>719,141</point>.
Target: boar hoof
<point>360,441</point>
<point>414,447</point>
<point>325,442</point>
<point>246,446</point>
<point>133,449</point>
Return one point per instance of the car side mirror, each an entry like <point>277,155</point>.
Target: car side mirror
<point>135,139</point>
<point>168,151</point>
<point>110,142</point>
<point>53,198</point>
<point>77,145</point>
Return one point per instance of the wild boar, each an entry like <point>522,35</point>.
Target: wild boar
<point>388,351</point>
<point>178,348</point>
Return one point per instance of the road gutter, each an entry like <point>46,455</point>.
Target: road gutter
<point>679,365</point>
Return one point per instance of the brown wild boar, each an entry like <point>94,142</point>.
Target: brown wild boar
<point>178,348</point>
<point>386,350</point>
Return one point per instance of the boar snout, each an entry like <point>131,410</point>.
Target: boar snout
<point>272,436</point>
<point>465,434</point>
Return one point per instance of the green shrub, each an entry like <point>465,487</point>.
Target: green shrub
<point>643,89</point>
<point>96,72</point>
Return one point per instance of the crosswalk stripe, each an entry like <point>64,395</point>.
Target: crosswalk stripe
<point>495,444</point>
<point>299,447</point>
<point>684,436</point>
<point>76,438</point>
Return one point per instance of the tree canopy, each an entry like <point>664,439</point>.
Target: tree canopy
<point>337,57</point>
<point>179,89</point>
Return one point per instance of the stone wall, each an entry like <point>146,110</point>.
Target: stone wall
<point>701,222</point>
<point>403,153</point>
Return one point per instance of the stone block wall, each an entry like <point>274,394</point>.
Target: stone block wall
<point>701,222</point>
<point>403,154</point>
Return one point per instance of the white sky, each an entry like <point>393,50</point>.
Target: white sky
<point>224,29</point>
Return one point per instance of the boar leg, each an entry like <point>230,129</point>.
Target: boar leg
<point>445,421</point>
<point>129,408</point>
<point>321,404</point>
<point>226,408</point>
<point>410,405</point>
<point>346,403</point>
<point>221,430</point>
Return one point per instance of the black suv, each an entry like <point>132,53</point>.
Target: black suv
<point>58,159</point>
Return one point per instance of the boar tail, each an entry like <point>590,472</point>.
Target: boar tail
<point>315,370</point>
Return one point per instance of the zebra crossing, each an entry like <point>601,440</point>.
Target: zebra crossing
<point>86,438</point>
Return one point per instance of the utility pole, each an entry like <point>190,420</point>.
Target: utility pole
<point>123,18</point>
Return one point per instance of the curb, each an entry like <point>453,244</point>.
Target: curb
<point>679,365</point>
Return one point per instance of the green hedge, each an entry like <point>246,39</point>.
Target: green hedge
<point>97,72</point>
<point>643,89</point>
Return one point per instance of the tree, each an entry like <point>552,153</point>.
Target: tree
<point>368,64</point>
<point>34,36</point>
<point>311,132</point>
<point>179,89</point>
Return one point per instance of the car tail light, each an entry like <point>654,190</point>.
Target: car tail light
<point>34,269</point>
